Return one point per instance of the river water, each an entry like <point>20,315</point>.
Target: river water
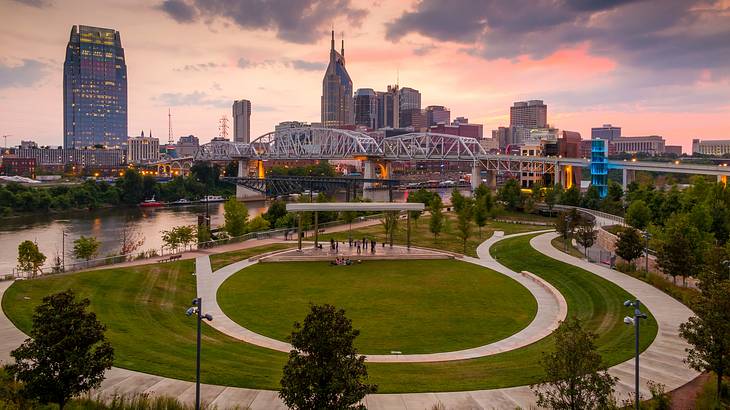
<point>107,224</point>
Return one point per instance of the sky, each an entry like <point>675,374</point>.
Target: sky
<point>652,67</point>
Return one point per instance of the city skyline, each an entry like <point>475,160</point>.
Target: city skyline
<point>591,65</point>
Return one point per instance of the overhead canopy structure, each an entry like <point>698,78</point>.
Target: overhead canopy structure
<point>317,207</point>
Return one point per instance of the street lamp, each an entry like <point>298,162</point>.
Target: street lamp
<point>197,309</point>
<point>638,315</point>
<point>647,236</point>
<point>63,244</point>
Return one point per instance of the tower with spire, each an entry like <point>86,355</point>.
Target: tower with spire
<point>337,102</point>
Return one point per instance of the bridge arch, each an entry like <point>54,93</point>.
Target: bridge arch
<point>428,146</point>
<point>314,143</point>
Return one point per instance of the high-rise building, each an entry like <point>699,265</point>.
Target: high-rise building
<point>337,104</point>
<point>436,114</point>
<point>143,149</point>
<point>389,108</point>
<point>528,114</point>
<point>187,146</point>
<point>409,99</point>
<point>366,108</point>
<point>414,118</point>
<point>242,121</point>
<point>94,89</point>
<point>607,132</point>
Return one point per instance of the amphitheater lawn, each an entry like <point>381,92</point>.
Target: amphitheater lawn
<point>410,306</point>
<point>143,308</point>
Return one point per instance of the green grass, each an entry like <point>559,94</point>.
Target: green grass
<point>144,306</point>
<point>559,244</point>
<point>411,306</point>
<point>220,260</point>
<point>447,239</point>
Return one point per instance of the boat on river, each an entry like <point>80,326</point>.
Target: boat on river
<point>151,203</point>
<point>212,198</point>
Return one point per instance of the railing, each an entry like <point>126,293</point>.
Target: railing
<point>601,217</point>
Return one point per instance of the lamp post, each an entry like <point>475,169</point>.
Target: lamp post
<point>647,236</point>
<point>197,309</point>
<point>63,244</point>
<point>629,320</point>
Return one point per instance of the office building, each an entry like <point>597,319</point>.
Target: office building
<point>528,114</point>
<point>187,146</point>
<point>366,108</point>
<point>607,132</point>
<point>410,99</point>
<point>414,118</point>
<point>337,104</point>
<point>143,149</point>
<point>436,114</point>
<point>242,121</point>
<point>12,165</point>
<point>652,145</point>
<point>673,149</point>
<point>389,108</point>
<point>94,89</point>
<point>462,130</point>
<point>710,147</point>
<point>83,158</point>
<point>569,144</point>
<point>503,137</point>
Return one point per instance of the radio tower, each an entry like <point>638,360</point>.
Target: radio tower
<point>223,127</point>
<point>169,128</point>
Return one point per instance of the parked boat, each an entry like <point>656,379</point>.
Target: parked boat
<point>212,198</point>
<point>181,201</point>
<point>151,203</point>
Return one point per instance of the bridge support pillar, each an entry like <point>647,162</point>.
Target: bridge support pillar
<point>243,193</point>
<point>628,176</point>
<point>242,165</point>
<point>558,175</point>
<point>368,172</point>
<point>492,179</point>
<point>476,176</point>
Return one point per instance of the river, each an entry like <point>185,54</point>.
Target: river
<point>106,225</point>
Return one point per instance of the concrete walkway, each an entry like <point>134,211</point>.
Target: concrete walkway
<point>552,308</point>
<point>661,362</point>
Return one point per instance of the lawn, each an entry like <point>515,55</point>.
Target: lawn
<point>447,239</point>
<point>411,306</point>
<point>220,260</point>
<point>144,307</point>
<point>559,243</point>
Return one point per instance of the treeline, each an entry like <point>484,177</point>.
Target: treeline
<point>130,189</point>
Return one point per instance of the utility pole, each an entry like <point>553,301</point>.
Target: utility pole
<point>5,146</point>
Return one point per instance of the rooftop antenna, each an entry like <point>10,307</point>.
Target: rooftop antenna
<point>342,52</point>
<point>169,127</point>
<point>223,127</point>
<point>397,76</point>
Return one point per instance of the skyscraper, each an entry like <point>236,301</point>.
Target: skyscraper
<point>436,114</point>
<point>337,104</point>
<point>94,89</point>
<point>389,108</point>
<point>242,121</point>
<point>528,114</point>
<point>366,108</point>
<point>409,106</point>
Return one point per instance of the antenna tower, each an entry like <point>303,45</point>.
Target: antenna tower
<point>223,127</point>
<point>169,128</point>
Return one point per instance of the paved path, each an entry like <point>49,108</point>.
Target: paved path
<point>552,308</point>
<point>661,362</point>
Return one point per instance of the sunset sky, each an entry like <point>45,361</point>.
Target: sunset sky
<point>652,67</point>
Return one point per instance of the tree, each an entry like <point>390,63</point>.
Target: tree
<point>463,221</point>
<point>571,196</point>
<point>130,184</point>
<point>257,224</point>
<point>480,213</point>
<point>566,222</point>
<point>390,224</point>
<point>709,331</point>
<point>436,223</point>
<point>576,378</point>
<point>67,352</point>
<point>586,233</point>
<point>680,247</point>
<point>638,214</point>
<point>510,194</point>
<point>457,200</point>
<point>179,235</point>
<point>277,209</point>
<point>629,245</point>
<point>30,258</point>
<point>421,196</point>
<point>348,217</point>
<point>86,247</point>
<point>130,238</point>
<point>236,216</point>
<point>551,198</point>
<point>324,370</point>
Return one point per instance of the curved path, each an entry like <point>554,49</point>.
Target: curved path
<point>661,362</point>
<point>551,309</point>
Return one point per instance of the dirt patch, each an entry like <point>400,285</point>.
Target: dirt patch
<point>684,397</point>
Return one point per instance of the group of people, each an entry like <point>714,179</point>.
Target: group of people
<point>342,261</point>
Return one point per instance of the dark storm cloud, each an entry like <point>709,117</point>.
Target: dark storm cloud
<point>657,34</point>
<point>28,73</point>
<point>296,21</point>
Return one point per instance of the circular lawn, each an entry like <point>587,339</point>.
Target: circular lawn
<point>409,306</point>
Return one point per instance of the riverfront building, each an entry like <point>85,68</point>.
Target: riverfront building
<point>242,121</point>
<point>94,89</point>
<point>143,149</point>
<point>710,147</point>
<point>337,104</point>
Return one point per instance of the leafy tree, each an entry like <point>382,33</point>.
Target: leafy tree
<point>510,194</point>
<point>236,216</point>
<point>576,379</point>
<point>348,217</point>
<point>436,223</point>
<point>638,215</point>
<point>566,223</point>
<point>179,235</point>
<point>536,192</point>
<point>586,233</point>
<point>680,247</point>
<point>324,370</point>
<point>457,200</point>
<point>130,238</point>
<point>615,191</point>
<point>132,190</point>
<point>421,196</point>
<point>592,198</point>
<point>571,196</point>
<point>390,224</point>
<point>463,221</point>
<point>480,212</point>
<point>709,331</point>
<point>277,209</point>
<point>67,352</point>
<point>30,258</point>
<point>630,244</point>
<point>257,224</point>
<point>551,198</point>
<point>86,247</point>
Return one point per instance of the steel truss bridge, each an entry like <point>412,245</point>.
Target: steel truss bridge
<point>286,185</point>
<point>311,143</point>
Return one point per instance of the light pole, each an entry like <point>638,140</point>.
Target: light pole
<point>638,315</point>
<point>197,309</point>
<point>63,245</point>
<point>647,236</point>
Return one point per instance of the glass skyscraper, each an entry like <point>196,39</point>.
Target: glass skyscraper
<point>337,103</point>
<point>94,89</point>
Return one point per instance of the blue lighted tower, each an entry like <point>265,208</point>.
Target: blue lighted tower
<point>94,89</point>
<point>599,166</point>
